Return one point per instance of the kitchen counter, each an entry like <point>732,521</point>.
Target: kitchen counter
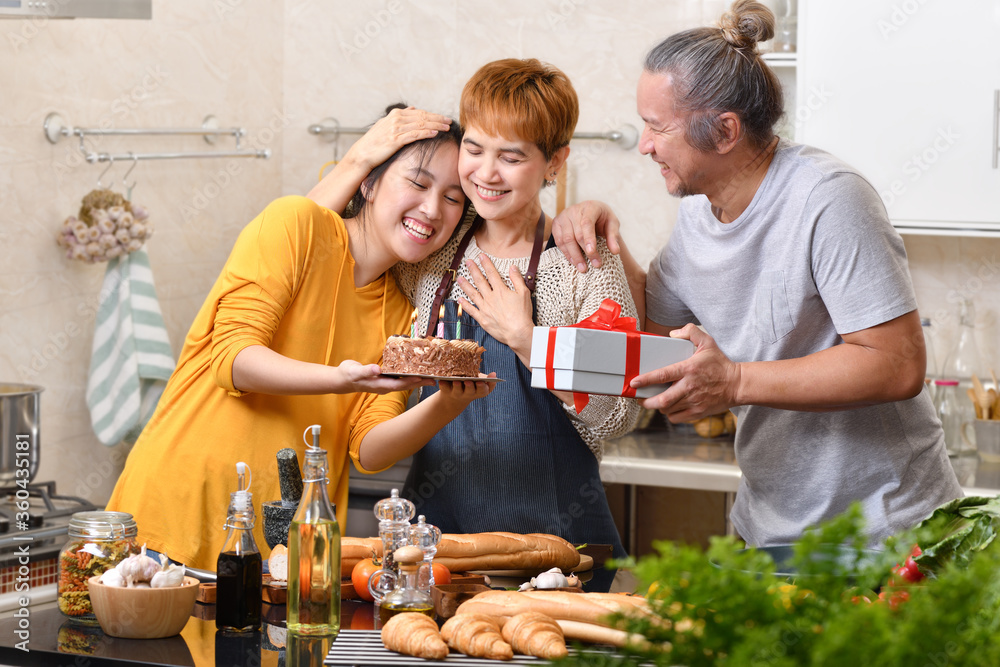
<point>56,640</point>
<point>678,457</point>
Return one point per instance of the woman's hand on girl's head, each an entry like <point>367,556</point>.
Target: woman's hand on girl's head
<point>393,131</point>
<point>368,378</point>
<point>504,312</point>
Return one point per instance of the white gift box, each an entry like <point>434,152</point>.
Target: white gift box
<point>594,361</point>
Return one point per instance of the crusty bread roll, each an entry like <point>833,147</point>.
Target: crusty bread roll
<point>354,549</point>
<point>594,608</point>
<point>479,551</point>
<point>277,563</point>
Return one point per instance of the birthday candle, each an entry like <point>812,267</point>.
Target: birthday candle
<point>440,331</point>
<point>413,324</point>
<point>458,324</point>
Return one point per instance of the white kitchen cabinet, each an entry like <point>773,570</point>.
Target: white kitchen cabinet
<point>907,92</point>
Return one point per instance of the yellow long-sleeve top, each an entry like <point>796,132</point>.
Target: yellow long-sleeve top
<point>288,285</point>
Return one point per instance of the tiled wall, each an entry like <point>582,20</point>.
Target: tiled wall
<point>275,68</point>
<point>40,573</point>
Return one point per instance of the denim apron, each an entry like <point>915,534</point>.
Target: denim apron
<point>511,461</point>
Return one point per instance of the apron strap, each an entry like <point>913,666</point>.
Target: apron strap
<point>449,275</point>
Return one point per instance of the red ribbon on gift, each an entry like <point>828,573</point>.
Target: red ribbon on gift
<point>604,319</point>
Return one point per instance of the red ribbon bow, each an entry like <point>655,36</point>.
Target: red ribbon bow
<point>604,319</point>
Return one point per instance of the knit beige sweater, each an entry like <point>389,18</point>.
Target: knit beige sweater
<point>563,296</point>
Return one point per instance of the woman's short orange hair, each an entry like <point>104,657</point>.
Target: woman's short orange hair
<point>527,99</point>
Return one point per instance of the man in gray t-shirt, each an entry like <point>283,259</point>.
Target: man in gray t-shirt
<point>787,260</point>
<point>812,256</point>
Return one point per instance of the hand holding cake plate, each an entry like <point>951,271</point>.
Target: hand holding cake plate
<point>448,378</point>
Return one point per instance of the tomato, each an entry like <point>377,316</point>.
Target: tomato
<point>442,575</point>
<point>910,571</point>
<point>362,572</point>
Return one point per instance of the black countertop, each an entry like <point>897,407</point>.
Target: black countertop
<point>54,640</point>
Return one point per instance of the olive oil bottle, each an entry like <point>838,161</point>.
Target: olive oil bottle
<point>408,594</point>
<point>313,605</point>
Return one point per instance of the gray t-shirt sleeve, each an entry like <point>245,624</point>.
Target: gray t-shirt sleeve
<point>663,305</point>
<point>858,259</point>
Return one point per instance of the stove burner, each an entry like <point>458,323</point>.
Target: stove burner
<point>47,516</point>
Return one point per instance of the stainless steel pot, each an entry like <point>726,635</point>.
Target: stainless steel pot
<point>19,410</point>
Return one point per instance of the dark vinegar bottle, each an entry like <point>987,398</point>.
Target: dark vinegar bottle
<point>239,575</point>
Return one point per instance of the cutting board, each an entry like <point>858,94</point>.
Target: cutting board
<point>586,564</point>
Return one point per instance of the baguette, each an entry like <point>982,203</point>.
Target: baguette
<point>598,634</point>
<point>592,608</point>
<point>354,549</point>
<point>478,551</point>
<point>505,551</point>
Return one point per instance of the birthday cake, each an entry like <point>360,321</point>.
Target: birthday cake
<point>432,356</point>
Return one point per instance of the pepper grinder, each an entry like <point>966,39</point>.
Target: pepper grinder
<point>427,537</point>
<point>278,514</point>
<point>394,514</point>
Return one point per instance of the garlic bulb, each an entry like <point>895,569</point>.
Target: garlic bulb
<point>169,575</point>
<point>138,567</point>
<point>553,578</point>
<point>113,577</point>
<point>107,226</point>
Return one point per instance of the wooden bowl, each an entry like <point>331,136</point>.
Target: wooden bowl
<point>142,613</point>
<point>448,597</point>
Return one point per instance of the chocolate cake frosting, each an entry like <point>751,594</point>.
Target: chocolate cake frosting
<point>432,356</point>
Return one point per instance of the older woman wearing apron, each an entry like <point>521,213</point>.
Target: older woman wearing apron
<point>512,461</point>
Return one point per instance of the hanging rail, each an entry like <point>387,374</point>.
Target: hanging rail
<point>55,129</point>
<point>626,136</point>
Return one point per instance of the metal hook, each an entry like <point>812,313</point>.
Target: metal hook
<point>111,163</point>
<point>130,186</point>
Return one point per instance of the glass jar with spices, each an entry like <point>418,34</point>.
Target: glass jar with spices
<point>97,542</point>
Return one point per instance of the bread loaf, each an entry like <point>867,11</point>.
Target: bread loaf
<point>277,563</point>
<point>598,634</point>
<point>593,608</point>
<point>505,551</point>
<point>354,549</point>
<point>478,551</point>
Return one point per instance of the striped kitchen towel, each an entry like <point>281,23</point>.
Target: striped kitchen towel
<point>131,359</point>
